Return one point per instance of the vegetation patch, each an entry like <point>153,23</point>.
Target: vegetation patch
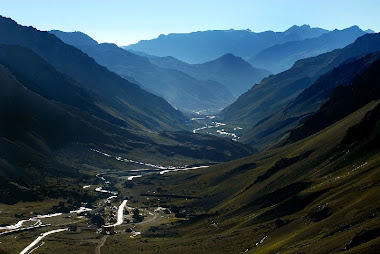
<point>281,164</point>
<point>363,237</point>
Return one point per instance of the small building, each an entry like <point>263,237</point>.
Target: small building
<point>108,230</point>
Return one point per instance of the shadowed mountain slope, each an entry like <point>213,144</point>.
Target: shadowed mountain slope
<point>276,91</point>
<point>115,95</point>
<point>270,130</point>
<point>42,78</point>
<point>344,100</point>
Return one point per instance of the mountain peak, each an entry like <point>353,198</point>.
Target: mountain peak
<point>349,30</point>
<point>74,38</point>
<point>296,28</point>
<point>353,28</point>
<point>230,58</point>
<point>230,61</point>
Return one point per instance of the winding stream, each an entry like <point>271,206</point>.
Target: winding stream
<point>157,168</point>
<point>29,248</point>
<point>215,125</point>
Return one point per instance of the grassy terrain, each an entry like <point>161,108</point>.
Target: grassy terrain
<point>312,196</point>
<point>318,204</point>
<point>306,197</point>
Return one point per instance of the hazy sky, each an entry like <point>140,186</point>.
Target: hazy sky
<point>128,21</point>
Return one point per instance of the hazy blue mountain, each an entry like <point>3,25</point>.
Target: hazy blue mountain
<point>276,91</point>
<point>139,53</point>
<point>200,47</point>
<point>178,88</point>
<point>118,97</point>
<point>273,128</point>
<point>233,72</point>
<point>281,57</point>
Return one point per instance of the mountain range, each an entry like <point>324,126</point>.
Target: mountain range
<point>275,52</point>
<point>204,46</point>
<point>181,88</point>
<point>82,125</point>
<point>281,57</point>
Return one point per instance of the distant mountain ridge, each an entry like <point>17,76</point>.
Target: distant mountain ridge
<point>281,57</point>
<point>200,47</point>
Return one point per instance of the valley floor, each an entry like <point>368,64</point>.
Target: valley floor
<point>312,196</point>
<point>64,229</point>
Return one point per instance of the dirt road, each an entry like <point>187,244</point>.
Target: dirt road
<point>101,243</point>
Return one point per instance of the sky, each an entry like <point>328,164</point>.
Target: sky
<point>127,21</point>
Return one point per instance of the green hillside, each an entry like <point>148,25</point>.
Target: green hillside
<point>313,196</point>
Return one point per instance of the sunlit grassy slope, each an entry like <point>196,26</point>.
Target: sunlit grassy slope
<point>313,196</point>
